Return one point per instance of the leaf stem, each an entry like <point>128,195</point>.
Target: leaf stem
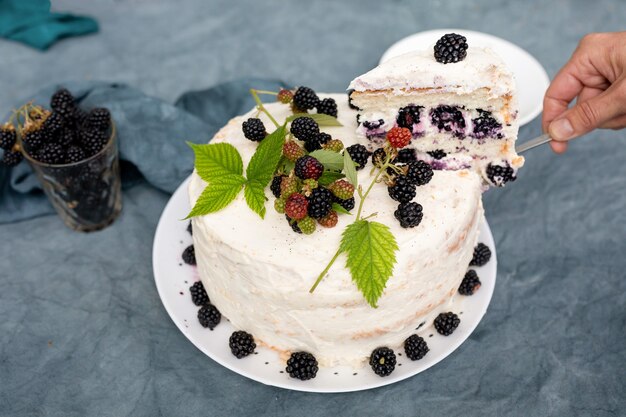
<point>259,104</point>
<point>325,271</point>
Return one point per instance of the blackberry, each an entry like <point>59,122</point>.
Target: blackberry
<point>66,137</point>
<point>284,96</point>
<point>305,99</point>
<point>74,154</point>
<point>451,47</point>
<point>379,157</point>
<point>470,284</point>
<point>399,137</point>
<point>254,129</point>
<point>500,175</point>
<point>486,126</point>
<point>383,361</point>
<point>341,189</point>
<point>317,142</point>
<point>481,256</point>
<point>320,202</point>
<point>359,155</point>
<point>92,140</point>
<point>448,119</point>
<point>51,153</point>
<point>292,151</point>
<point>308,167</point>
<point>350,103</point>
<point>437,154</point>
<point>327,106</point>
<point>12,158</point>
<point>241,344</point>
<point>8,137</point>
<point>371,125</point>
<point>189,255</point>
<point>307,225</point>
<point>405,156</point>
<point>419,173</point>
<point>275,186</point>
<point>293,224</point>
<point>415,347</point>
<point>346,204</point>
<point>302,365</point>
<point>409,214</point>
<point>304,128</point>
<point>403,190</point>
<point>209,316</point>
<point>296,207</point>
<point>409,116</point>
<point>330,220</point>
<point>53,124</point>
<point>62,102</point>
<point>98,119</point>
<point>190,228</point>
<point>198,294</point>
<point>446,323</point>
<point>32,141</point>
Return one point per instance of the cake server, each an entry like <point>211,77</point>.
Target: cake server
<point>533,143</point>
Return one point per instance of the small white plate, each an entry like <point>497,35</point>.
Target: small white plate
<point>173,279</point>
<point>532,79</point>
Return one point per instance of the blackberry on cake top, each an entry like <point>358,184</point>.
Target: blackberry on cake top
<point>419,173</point>
<point>307,167</point>
<point>254,129</point>
<point>305,99</point>
<point>409,214</point>
<point>359,154</point>
<point>304,128</point>
<point>451,48</point>
<point>327,106</point>
<point>402,190</point>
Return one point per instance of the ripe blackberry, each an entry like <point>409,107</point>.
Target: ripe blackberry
<point>305,99</point>
<point>66,137</point>
<point>92,141</point>
<point>379,157</point>
<point>292,151</point>
<point>451,48</point>
<point>284,96</point>
<point>99,119</point>
<point>346,204</point>
<point>52,124</point>
<point>293,224</point>
<point>486,126</point>
<point>415,347</point>
<point>189,255</point>
<point>302,366</point>
<point>241,344</point>
<point>304,128</point>
<point>254,129</point>
<point>190,228</point>
<point>500,175</point>
<point>448,119</point>
<point>470,284</point>
<point>419,173</point>
<point>308,167</point>
<point>446,323</point>
<point>320,202</point>
<point>275,186</point>
<point>51,153</point>
<point>8,137</point>
<point>307,225</point>
<point>405,156</point>
<point>409,116</point>
<point>409,214</point>
<point>403,190</point>
<point>317,142</point>
<point>74,154</point>
<point>209,316</point>
<point>296,206</point>
<point>481,256</point>
<point>350,103</point>
<point>359,155</point>
<point>12,158</point>
<point>383,361</point>
<point>327,106</point>
<point>62,102</point>
<point>330,220</point>
<point>437,154</point>
<point>342,189</point>
<point>198,294</point>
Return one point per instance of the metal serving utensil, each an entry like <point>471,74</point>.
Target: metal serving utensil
<point>533,143</point>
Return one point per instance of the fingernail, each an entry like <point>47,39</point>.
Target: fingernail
<point>561,129</point>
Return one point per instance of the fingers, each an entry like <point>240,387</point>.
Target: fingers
<point>563,89</point>
<point>558,147</point>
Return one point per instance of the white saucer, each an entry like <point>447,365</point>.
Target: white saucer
<point>173,279</point>
<point>532,79</point>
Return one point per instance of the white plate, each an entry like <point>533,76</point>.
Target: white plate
<point>532,79</point>
<point>173,279</point>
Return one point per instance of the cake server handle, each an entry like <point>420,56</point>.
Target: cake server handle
<point>533,143</point>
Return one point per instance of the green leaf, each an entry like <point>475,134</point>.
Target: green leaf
<point>332,161</point>
<point>321,119</point>
<point>371,255</point>
<point>216,160</point>
<point>349,169</point>
<point>329,176</point>
<point>217,195</point>
<point>265,160</point>
<point>255,197</point>
<point>340,209</point>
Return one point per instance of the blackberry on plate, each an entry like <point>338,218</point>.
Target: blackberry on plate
<point>99,119</point>
<point>486,126</point>
<point>51,153</point>
<point>198,294</point>
<point>302,366</point>
<point>190,228</point>
<point>346,204</point>
<point>403,190</point>
<point>409,214</point>
<point>500,175</point>
<point>470,284</point>
<point>254,129</point>
<point>320,202</point>
<point>448,119</point>
<point>8,137</point>
<point>316,142</point>
<point>409,116</point>
<point>294,225</point>
<point>12,158</point>
<point>451,48</point>
<point>305,99</point>
<point>415,347</point>
<point>481,256</point>
<point>304,128</point>
<point>437,154</point>
<point>419,173</point>
<point>383,361</point>
<point>62,102</point>
<point>327,106</point>
<point>209,316</point>
<point>307,167</point>
<point>359,155</point>
<point>446,323</point>
<point>74,154</point>
<point>241,344</point>
<point>189,255</point>
<point>275,186</point>
<point>405,156</point>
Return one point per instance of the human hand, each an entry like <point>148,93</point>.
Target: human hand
<point>596,76</point>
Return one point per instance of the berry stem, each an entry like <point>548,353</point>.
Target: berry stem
<point>260,106</point>
<point>271,93</point>
<point>325,271</point>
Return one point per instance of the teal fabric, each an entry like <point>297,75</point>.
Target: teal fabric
<point>32,23</point>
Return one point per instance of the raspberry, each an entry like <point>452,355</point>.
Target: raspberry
<point>448,119</point>
<point>409,116</point>
<point>451,48</point>
<point>288,186</point>
<point>415,347</point>
<point>293,224</point>
<point>379,157</point>
<point>383,361</point>
<point>74,154</point>
<point>500,175</point>
<point>305,99</point>
<point>320,202</point>
<point>189,255</point>
<point>296,206</point>
<point>284,96</point>
<point>279,205</point>
<point>419,173</point>
<point>12,158</point>
<point>275,186</point>
<point>307,225</point>
<point>308,167</point>
<point>399,137</point>
<point>346,204</point>
<point>51,153</point>
<point>198,294</point>
<point>302,365</point>
<point>241,344</point>
<point>254,129</point>
<point>359,155</point>
<point>304,128</point>
<point>8,136</point>
<point>486,126</point>
<point>342,189</point>
<point>409,214</point>
<point>446,323</point>
<point>292,151</point>
<point>330,220</point>
<point>209,316</point>
<point>402,190</point>
<point>327,106</point>
<point>437,154</point>
<point>481,256</point>
<point>317,142</point>
<point>98,119</point>
<point>62,102</point>
<point>93,141</point>
<point>334,145</point>
<point>470,284</point>
<point>405,156</point>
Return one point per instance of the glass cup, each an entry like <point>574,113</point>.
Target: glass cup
<point>86,194</point>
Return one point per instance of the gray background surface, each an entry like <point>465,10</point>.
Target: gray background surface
<point>83,332</point>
